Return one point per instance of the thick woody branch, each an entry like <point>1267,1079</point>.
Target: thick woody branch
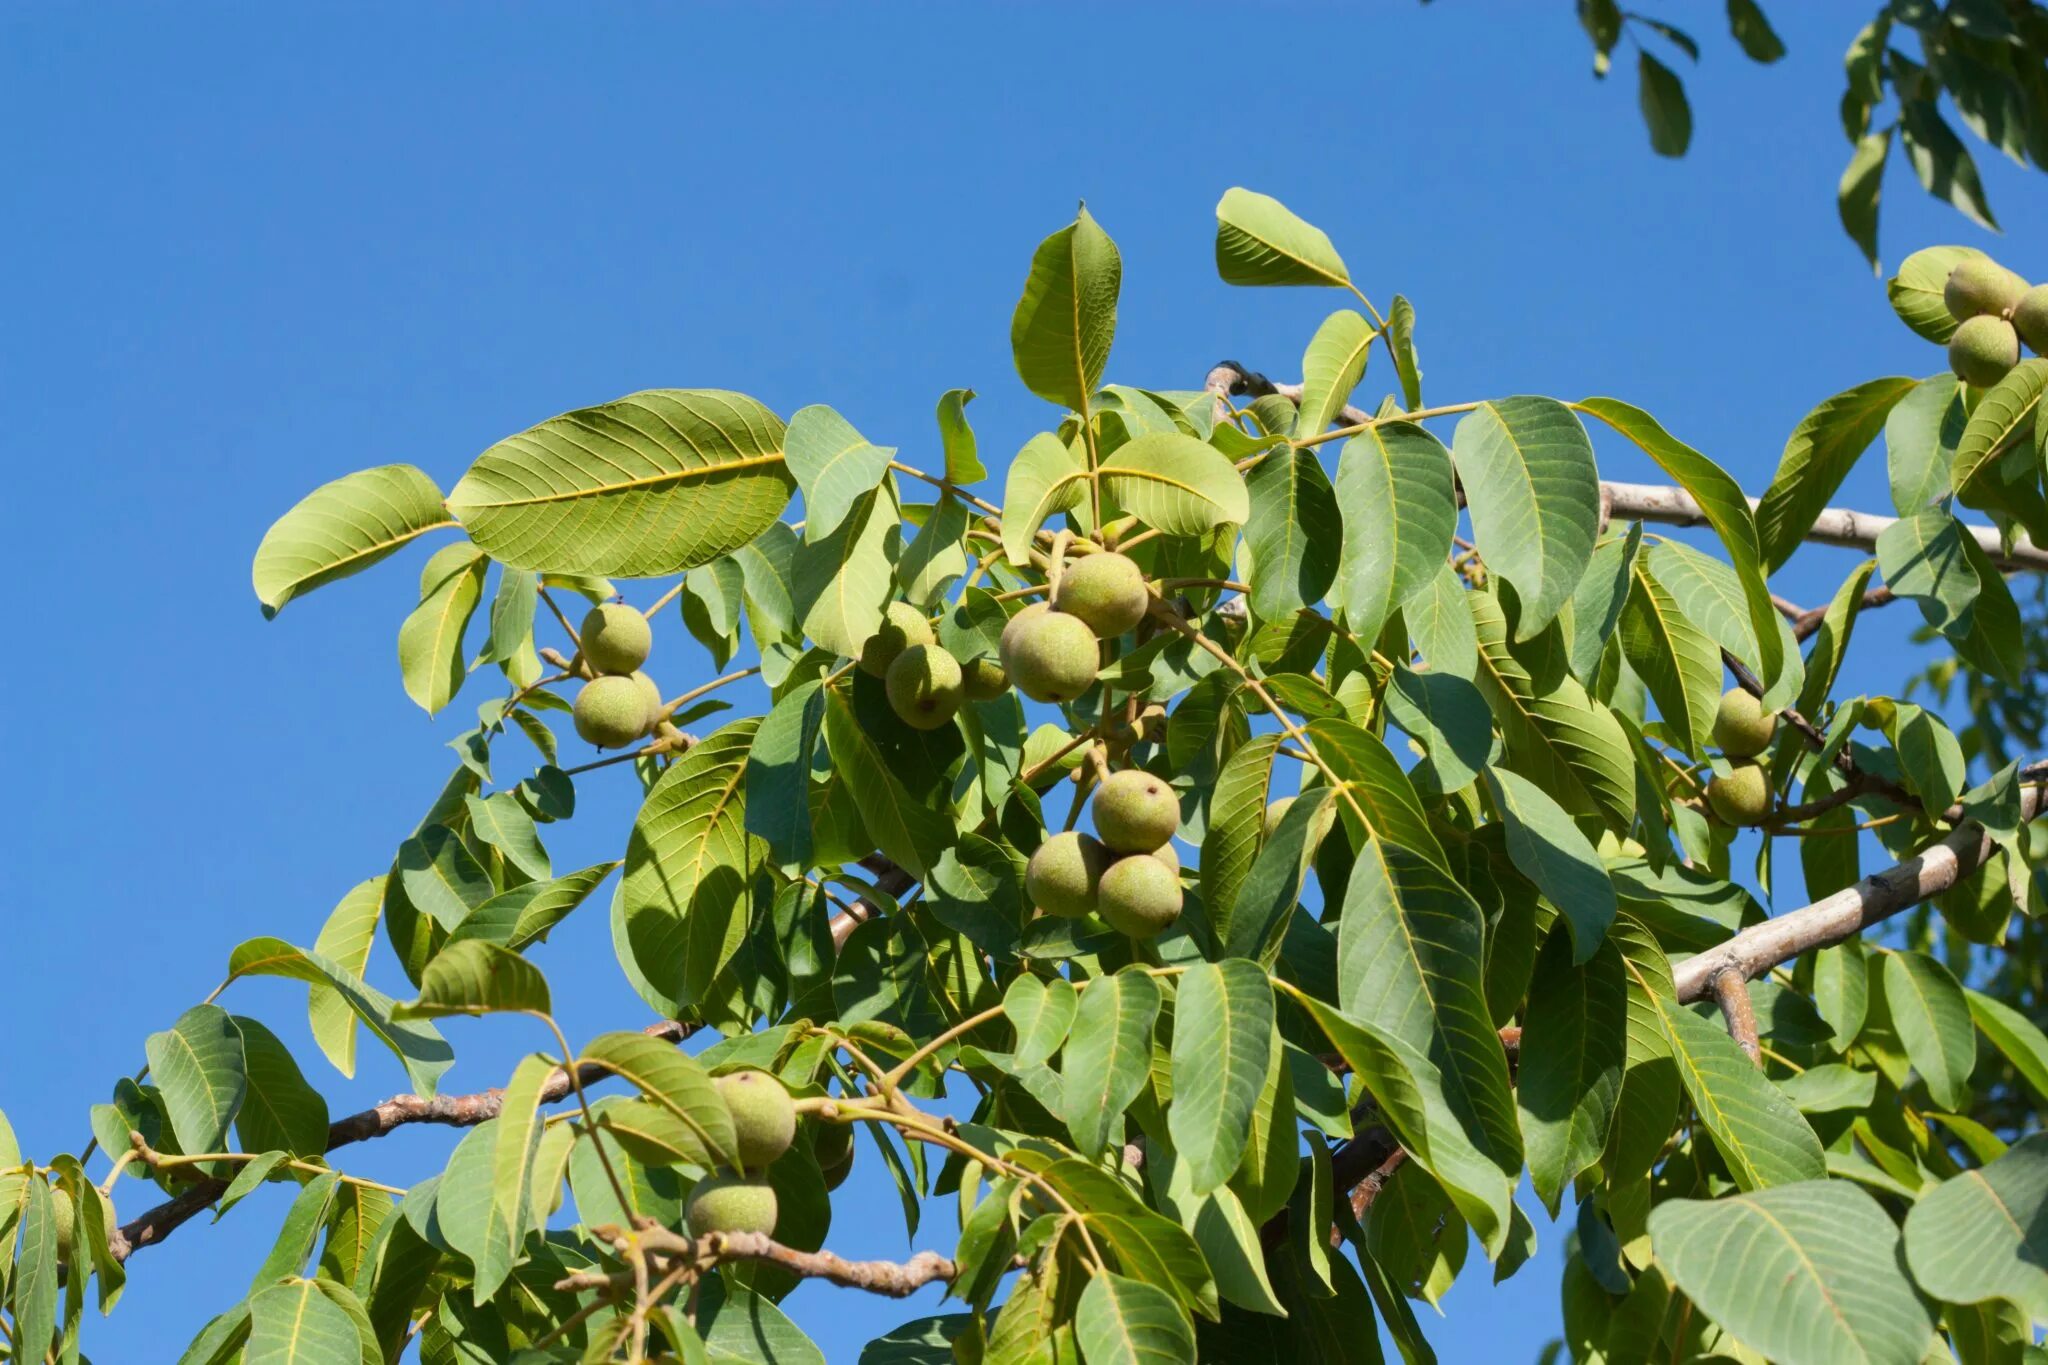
<point>1666,504</point>
<point>1731,992</point>
<point>895,1279</point>
<point>1832,919</point>
<point>458,1111</point>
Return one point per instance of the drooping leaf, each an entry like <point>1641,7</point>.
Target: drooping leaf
<point>1331,368</point>
<point>476,976</point>
<point>1677,660</point>
<point>2002,417</point>
<point>1293,532</point>
<point>1041,1011</point>
<point>1574,1046</point>
<point>345,939</point>
<point>1764,1140</point>
<point>840,585</point>
<point>1818,456</point>
<point>1395,484</point>
<point>963,462</point>
<point>1806,1274</point>
<point>777,781</point>
<point>1223,1033</point>
<point>1944,165</point>
<point>908,830</point>
<point>431,656</point>
<point>418,1045</point>
<point>1916,291</point>
<point>1109,1055</point>
<point>1920,438</point>
<point>1647,1105</point>
<point>674,1081</point>
<point>1045,479</point>
<point>515,1148</point>
<point>1061,332</point>
<point>1260,242</point>
<point>343,527</point>
<point>279,1110</point>
<point>1534,494</point>
<point>1666,111</point>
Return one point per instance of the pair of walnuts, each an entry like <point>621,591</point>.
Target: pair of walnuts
<point>1996,310</point>
<point>622,704</point>
<point>764,1123</point>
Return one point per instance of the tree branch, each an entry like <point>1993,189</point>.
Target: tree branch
<point>1731,992</point>
<point>1834,918</point>
<point>457,1111</point>
<point>897,1280</point>
<point>1666,504</point>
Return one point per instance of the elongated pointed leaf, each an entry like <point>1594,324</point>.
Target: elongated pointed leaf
<point>1377,797</point>
<point>652,483</point>
<point>515,1148</point>
<point>431,657</point>
<point>1920,438</point>
<point>1259,241</point>
<point>1574,1046</point>
<point>1222,1035</point>
<point>2002,417</point>
<point>476,976</point>
<point>1041,1011</point>
<point>1121,1321</point>
<point>1109,1055</point>
<point>778,774</point>
<point>35,1267</point>
<point>1762,1137</point>
<point>345,939</point>
<point>1676,659</point>
<point>1932,1017</point>
<point>1331,368</point>
<point>840,585</point>
<point>908,830</point>
<point>833,464</point>
<point>279,1110</point>
<point>2014,1035</point>
<point>1916,291</point>
<point>1721,499</point>
<point>342,528</point>
<point>1293,533</point>
<point>294,1323</point>
<point>1548,849</point>
<point>1534,493</point>
<point>690,859</point>
<point>1817,457</point>
<point>418,1045</point>
<point>523,915</point>
<point>1647,1106</point>
<point>1984,1234</point>
<point>1395,484</point>
<point>1440,622</point>
<point>673,1080</point>
<point>1235,826</point>
<point>963,463</point>
<point>1172,481</point>
<point>1806,1274</point>
<point>198,1065</point>
<point>1062,329</point>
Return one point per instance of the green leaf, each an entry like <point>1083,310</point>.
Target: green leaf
<point>1818,456</point>
<point>1171,481</point>
<point>1721,500</point>
<point>430,653</point>
<point>418,1045</point>
<point>1448,718</point>
<point>1760,42</point>
<point>1916,291</point>
<point>2014,1035</point>
<point>1401,343</point>
<point>1841,990</point>
<point>1920,439</point>
<point>515,1146</point>
<point>2003,416</point>
<point>1932,1017</point>
<point>343,527</point>
<point>1561,739</point>
<point>1109,1055</point>
<point>833,464</point>
<point>1831,641</point>
<point>477,976</point>
<point>1922,557</point>
<point>1857,192</point>
<point>1944,165</point>
<point>1260,242</point>
<point>1666,113</point>
<point>35,1269</point>
<point>1292,534</point>
<point>649,484</point>
<point>1041,1010</point>
<point>345,939</point>
<point>1121,1321</point>
<point>1763,1139</point>
<point>1983,1235</point>
<point>1534,494</point>
<point>1330,370</point>
<point>198,1064</point>
<point>690,859</point>
<point>1574,1046</point>
<point>523,915</point>
<point>937,555</point>
<point>963,462</point>
<point>908,830</point>
<point>500,822</point>
<point>1254,924</point>
<point>1440,622</point>
<point>1235,825</point>
<point>294,1323</point>
<point>778,774</point>
<point>1045,479</point>
<point>1064,323</point>
<point>1648,1103</point>
<point>1678,661</point>
<point>1805,1274</point>
<point>741,1327</point>
<point>840,585</point>
<point>1222,1038</point>
<point>279,1111</point>
<point>675,1081</point>
<point>1395,481</point>
<point>1548,849</point>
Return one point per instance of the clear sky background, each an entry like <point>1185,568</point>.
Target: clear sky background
<point>247,250</point>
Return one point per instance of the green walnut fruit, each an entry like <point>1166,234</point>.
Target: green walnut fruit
<point>983,679</point>
<point>763,1115</point>
<point>1049,655</point>
<point>2030,318</point>
<point>1168,856</point>
<point>65,1218</point>
<point>731,1203</point>
<point>611,712</point>
<point>1979,287</point>
<point>1139,896</point>
<point>615,638</point>
<point>1063,874</point>
<point>652,692</point>
<point>1742,727</point>
<point>1743,796</point>
<point>902,626</point>
<point>1135,812</point>
<point>1275,813</point>
<point>925,686</point>
<point>1983,350</point>
<point>1105,590</point>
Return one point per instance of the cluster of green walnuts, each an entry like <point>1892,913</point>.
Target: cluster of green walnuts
<point>621,705</point>
<point>741,1199</point>
<point>1743,729</point>
<point>1996,310</point>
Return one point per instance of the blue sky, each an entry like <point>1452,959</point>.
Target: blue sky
<point>249,250</point>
